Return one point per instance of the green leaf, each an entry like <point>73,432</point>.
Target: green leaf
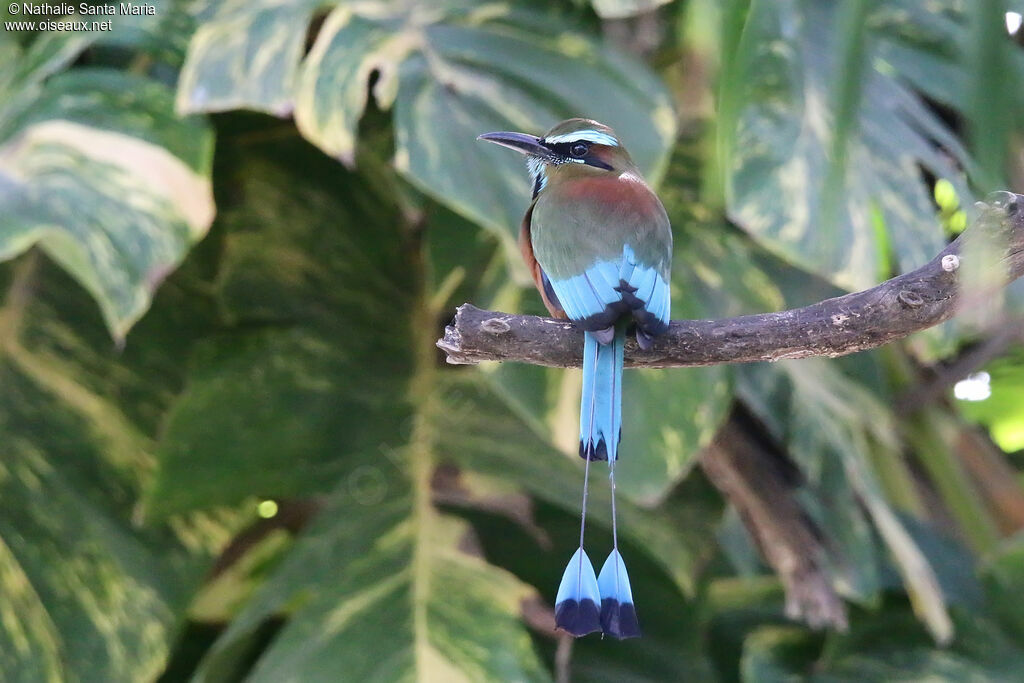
<point>1003,576</point>
<point>889,646</point>
<point>990,106</point>
<point>828,424</point>
<point>777,653</point>
<point>332,90</point>
<point>885,645</point>
<point>307,381</point>
<point>934,434</point>
<point>451,73</point>
<point>97,171</point>
<point>323,379</point>
<point>379,595</point>
<point>1002,411</point>
<point>246,57</point>
<point>784,113</point>
<point>85,597</point>
<point>88,594</point>
<point>668,416</point>
<point>484,428</point>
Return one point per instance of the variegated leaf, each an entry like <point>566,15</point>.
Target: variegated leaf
<point>384,592</point>
<point>97,171</point>
<point>305,391</point>
<point>841,201</point>
<point>89,594</point>
<point>450,71</point>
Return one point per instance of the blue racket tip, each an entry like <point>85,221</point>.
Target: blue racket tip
<point>576,605</point>
<point>618,615</point>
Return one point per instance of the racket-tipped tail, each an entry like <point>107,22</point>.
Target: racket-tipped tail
<point>577,605</point>
<point>618,615</point>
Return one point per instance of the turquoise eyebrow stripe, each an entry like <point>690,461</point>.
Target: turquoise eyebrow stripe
<point>595,136</point>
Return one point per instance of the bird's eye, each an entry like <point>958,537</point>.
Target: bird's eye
<point>579,149</point>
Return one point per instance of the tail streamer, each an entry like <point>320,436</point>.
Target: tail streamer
<point>586,602</point>
<point>601,402</point>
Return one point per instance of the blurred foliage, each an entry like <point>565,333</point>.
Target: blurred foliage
<point>204,309</point>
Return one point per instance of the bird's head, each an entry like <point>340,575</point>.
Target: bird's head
<point>573,148</point>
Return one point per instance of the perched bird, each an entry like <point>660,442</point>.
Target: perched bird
<point>599,245</point>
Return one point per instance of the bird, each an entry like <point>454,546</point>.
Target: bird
<point>598,243</point>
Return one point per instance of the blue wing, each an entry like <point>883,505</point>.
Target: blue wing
<point>609,289</point>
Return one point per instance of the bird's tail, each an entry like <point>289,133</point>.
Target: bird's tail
<point>586,602</point>
<point>600,431</point>
<point>601,403</point>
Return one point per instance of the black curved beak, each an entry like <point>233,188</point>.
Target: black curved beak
<point>521,142</point>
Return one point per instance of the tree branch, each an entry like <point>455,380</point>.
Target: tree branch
<point>834,327</point>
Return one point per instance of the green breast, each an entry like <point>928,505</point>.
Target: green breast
<point>581,221</point>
